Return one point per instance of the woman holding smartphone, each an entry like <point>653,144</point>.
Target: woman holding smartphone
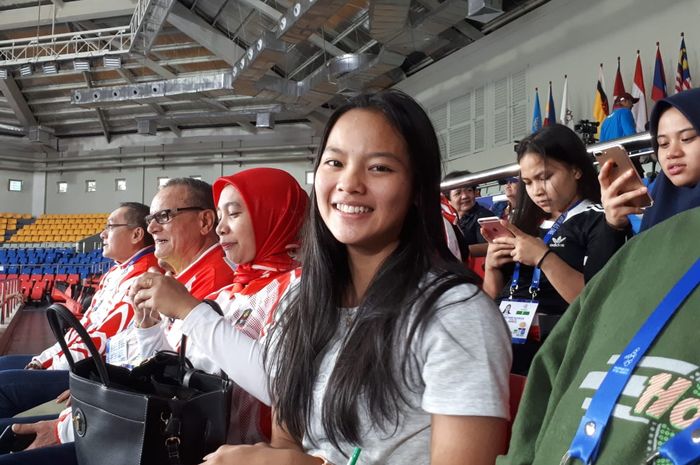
<point>560,236</point>
<point>387,344</point>
<point>676,189</point>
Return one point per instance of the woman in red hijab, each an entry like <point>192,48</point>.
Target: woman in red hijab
<point>260,212</point>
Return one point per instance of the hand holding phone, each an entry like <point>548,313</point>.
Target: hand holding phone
<point>622,190</point>
<point>492,228</point>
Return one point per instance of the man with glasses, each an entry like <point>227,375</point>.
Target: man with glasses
<point>127,242</point>
<point>183,225</point>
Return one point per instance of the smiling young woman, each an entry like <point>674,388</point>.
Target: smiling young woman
<point>387,343</point>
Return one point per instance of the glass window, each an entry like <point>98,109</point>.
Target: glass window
<point>62,187</point>
<point>90,185</point>
<point>120,184</point>
<point>15,185</point>
<point>309,177</point>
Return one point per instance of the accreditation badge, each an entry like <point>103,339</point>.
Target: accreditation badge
<point>519,314</point>
<point>123,349</point>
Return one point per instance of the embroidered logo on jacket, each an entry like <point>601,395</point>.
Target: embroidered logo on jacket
<point>558,241</point>
<point>664,395</point>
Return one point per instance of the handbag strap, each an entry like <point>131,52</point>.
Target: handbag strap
<point>58,311</point>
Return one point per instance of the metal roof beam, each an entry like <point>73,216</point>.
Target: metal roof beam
<point>16,100</point>
<point>19,18</point>
<point>206,35</point>
<point>100,116</point>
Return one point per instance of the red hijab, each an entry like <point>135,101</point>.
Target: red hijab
<point>277,205</point>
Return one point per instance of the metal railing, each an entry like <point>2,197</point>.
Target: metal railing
<point>10,299</point>
<point>637,146</point>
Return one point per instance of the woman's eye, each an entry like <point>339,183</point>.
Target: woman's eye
<point>333,163</point>
<point>688,139</point>
<point>380,168</point>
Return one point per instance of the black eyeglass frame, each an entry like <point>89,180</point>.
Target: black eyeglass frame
<point>166,216</point>
<point>111,226</point>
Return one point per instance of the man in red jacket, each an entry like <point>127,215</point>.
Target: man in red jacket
<point>27,381</point>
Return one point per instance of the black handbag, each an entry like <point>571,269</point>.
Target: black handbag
<point>161,412</point>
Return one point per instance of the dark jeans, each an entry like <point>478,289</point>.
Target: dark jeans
<point>55,455</point>
<point>22,389</point>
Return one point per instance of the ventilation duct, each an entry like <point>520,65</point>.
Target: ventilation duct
<point>203,85</point>
<point>420,34</point>
<point>484,11</point>
<point>387,18</point>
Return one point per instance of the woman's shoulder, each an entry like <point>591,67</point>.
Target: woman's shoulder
<point>461,297</point>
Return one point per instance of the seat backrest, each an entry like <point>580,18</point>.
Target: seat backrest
<point>517,386</point>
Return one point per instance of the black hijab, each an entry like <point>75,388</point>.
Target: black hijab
<point>669,199</point>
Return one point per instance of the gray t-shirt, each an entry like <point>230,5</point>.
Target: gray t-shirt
<point>464,360</point>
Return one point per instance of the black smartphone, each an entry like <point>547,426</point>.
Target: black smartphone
<point>13,442</point>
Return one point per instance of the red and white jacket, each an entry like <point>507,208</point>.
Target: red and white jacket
<point>247,312</point>
<point>208,273</point>
<point>110,311</point>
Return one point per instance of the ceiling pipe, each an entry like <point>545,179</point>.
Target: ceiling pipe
<point>512,15</point>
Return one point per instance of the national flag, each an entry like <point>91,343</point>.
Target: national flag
<point>639,109</point>
<point>658,90</point>
<point>683,71</point>
<point>551,117</point>
<point>619,87</point>
<point>566,117</point>
<point>600,103</point>
<point>537,114</point>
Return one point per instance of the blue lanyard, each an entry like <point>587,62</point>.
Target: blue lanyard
<point>537,273</point>
<point>138,256</point>
<point>681,449</point>
<point>585,444</point>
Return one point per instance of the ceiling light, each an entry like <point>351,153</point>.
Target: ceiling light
<point>81,65</point>
<point>26,70</point>
<point>50,68</point>
<point>113,61</point>
<point>3,73</point>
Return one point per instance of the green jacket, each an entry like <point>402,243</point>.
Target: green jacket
<point>663,395</point>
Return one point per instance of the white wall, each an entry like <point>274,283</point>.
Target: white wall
<point>562,37</point>
<point>16,202</point>
<point>141,184</point>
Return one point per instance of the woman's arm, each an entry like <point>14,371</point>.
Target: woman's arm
<point>458,440</point>
<point>497,255</point>
<point>532,251</point>
<point>566,281</point>
<point>282,450</point>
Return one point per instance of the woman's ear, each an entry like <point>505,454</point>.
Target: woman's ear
<point>577,174</point>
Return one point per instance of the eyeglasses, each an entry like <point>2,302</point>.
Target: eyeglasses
<point>111,226</point>
<point>167,215</point>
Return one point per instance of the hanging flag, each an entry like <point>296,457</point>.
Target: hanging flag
<point>619,87</point>
<point>639,109</point>
<point>551,114</point>
<point>566,117</point>
<point>537,114</point>
<point>658,90</point>
<point>683,71</point>
<point>600,103</point>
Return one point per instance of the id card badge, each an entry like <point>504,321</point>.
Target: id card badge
<point>123,349</point>
<point>519,315</point>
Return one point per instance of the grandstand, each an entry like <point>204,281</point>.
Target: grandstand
<point>56,228</point>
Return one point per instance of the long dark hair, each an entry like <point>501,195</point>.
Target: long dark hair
<point>369,371</point>
<point>555,142</point>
